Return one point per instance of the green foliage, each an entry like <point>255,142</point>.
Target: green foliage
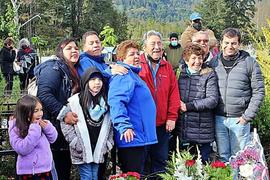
<point>8,27</point>
<point>159,10</point>
<point>224,173</point>
<point>221,14</point>
<point>108,36</point>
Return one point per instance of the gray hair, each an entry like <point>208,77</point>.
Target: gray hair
<point>198,33</point>
<point>150,33</point>
<point>24,42</point>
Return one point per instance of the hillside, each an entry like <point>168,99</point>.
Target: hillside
<point>160,10</point>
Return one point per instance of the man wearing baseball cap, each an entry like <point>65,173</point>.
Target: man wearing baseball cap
<point>195,26</point>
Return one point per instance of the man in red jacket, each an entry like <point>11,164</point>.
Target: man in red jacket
<point>161,80</point>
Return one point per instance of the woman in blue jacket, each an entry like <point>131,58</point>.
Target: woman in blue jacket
<point>133,110</point>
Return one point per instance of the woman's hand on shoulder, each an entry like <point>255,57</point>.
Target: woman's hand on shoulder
<point>128,135</point>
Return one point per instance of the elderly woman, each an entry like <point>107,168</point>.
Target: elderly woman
<point>57,81</point>
<point>199,97</point>
<point>27,58</point>
<point>133,110</point>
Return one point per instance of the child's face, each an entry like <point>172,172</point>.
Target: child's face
<point>38,113</point>
<point>95,85</point>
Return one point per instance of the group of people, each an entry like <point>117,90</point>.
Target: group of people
<point>135,104</point>
<point>25,58</point>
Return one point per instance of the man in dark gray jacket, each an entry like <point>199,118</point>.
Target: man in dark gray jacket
<point>241,89</point>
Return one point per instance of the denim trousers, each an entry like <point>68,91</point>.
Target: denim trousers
<point>88,171</point>
<point>231,136</point>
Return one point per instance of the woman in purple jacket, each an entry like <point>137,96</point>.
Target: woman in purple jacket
<point>30,136</point>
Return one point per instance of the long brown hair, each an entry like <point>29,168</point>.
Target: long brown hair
<point>24,111</point>
<point>73,72</point>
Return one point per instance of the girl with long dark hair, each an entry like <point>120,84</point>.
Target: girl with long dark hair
<point>30,136</point>
<point>91,137</point>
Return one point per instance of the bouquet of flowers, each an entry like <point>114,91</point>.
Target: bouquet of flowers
<point>218,170</point>
<point>250,162</point>
<point>125,176</point>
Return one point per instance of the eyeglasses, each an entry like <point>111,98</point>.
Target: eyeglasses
<point>202,40</point>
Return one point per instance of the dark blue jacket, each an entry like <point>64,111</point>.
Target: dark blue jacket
<point>132,106</point>
<point>54,88</point>
<point>200,94</point>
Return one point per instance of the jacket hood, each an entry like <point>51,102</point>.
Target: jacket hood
<point>55,63</point>
<point>88,74</point>
<point>99,59</point>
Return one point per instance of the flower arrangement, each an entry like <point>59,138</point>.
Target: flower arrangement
<point>218,170</point>
<point>250,162</point>
<point>184,167</point>
<point>125,176</point>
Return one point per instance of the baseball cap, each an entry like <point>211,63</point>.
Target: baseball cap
<point>195,16</point>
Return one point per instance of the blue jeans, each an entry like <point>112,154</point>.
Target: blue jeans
<point>88,171</point>
<point>231,136</point>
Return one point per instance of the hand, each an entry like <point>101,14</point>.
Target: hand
<point>43,123</point>
<point>183,106</point>
<point>170,125</point>
<point>71,118</point>
<point>241,121</point>
<point>118,69</point>
<point>128,135</point>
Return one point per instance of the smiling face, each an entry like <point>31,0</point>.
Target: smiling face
<point>92,45</point>
<point>132,57</point>
<point>195,62</point>
<point>71,52</point>
<point>38,113</point>
<point>95,85</point>
<point>203,40</point>
<point>153,47</point>
<point>230,46</point>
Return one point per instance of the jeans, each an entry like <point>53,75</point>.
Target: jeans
<point>231,136</point>
<point>88,171</point>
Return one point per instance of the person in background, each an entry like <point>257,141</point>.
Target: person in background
<point>27,58</point>
<point>7,57</point>
<point>195,26</point>
<point>133,110</point>
<point>202,38</point>
<point>91,138</point>
<point>161,80</point>
<point>30,136</point>
<point>199,97</point>
<point>174,51</point>
<point>241,91</point>
<point>57,81</point>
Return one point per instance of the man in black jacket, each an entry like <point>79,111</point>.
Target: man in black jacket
<point>7,56</point>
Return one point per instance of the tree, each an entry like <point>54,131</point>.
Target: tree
<point>221,14</point>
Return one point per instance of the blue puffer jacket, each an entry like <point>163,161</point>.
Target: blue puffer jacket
<point>132,106</point>
<point>86,61</point>
<point>54,88</point>
<point>200,94</point>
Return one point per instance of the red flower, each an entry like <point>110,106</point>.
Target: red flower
<point>134,174</point>
<point>189,163</point>
<point>218,164</point>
